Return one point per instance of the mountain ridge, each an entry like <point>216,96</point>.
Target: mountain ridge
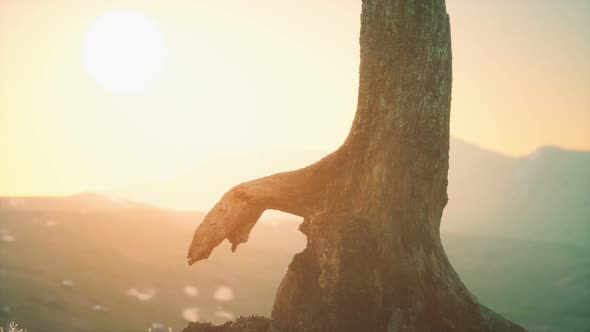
<point>488,191</point>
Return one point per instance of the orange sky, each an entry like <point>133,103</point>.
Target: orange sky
<point>263,75</point>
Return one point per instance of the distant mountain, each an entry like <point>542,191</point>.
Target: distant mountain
<point>82,203</point>
<point>202,187</point>
<point>543,196</point>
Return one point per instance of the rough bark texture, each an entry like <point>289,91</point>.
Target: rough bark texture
<point>372,209</point>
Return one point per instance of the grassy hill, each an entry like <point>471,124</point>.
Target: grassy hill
<point>107,251</point>
<point>87,263</point>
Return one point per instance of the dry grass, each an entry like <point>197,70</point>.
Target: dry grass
<point>13,327</point>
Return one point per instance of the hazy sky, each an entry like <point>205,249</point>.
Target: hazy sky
<point>262,75</point>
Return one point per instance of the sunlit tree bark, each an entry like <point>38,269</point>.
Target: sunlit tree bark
<point>372,209</point>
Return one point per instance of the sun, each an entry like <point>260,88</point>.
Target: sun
<point>124,51</point>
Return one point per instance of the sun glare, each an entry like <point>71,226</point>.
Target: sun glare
<point>124,51</point>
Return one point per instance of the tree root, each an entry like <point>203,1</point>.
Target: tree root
<point>233,217</point>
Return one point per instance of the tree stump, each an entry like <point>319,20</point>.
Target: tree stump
<point>372,209</point>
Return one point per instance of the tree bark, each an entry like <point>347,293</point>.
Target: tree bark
<point>372,209</point>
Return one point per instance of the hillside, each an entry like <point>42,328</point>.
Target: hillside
<point>121,269</point>
<point>87,263</point>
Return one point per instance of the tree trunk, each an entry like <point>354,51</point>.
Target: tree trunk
<point>372,209</point>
